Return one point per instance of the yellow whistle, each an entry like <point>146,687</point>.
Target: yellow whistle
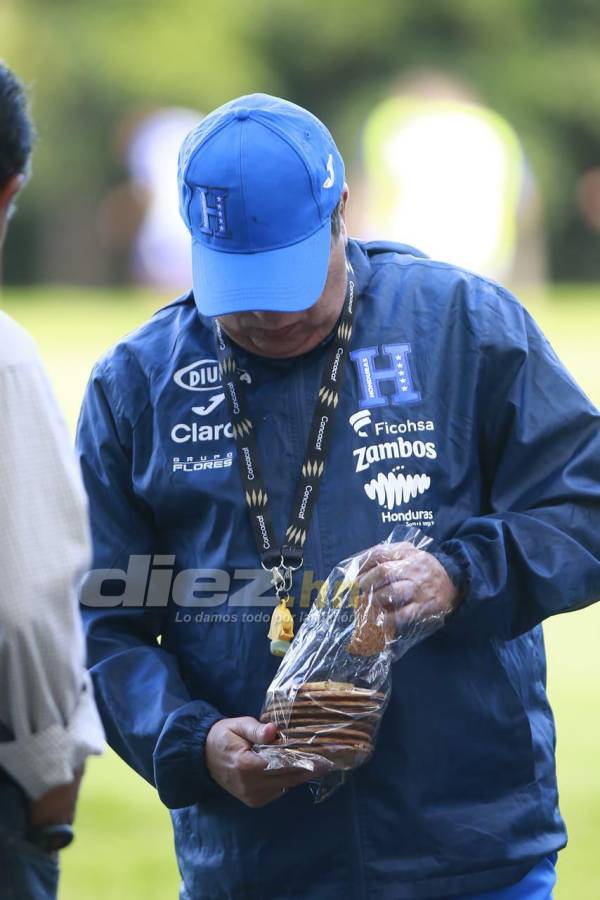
<point>281,630</point>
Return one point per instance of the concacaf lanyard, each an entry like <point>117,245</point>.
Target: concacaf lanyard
<point>282,560</point>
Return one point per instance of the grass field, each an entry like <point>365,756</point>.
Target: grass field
<point>124,845</point>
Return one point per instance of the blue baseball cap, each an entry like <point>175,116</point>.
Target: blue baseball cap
<point>258,181</point>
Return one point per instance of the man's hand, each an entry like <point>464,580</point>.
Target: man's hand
<point>409,584</point>
<point>57,806</point>
<point>236,767</point>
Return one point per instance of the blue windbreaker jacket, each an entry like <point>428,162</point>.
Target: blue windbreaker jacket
<point>468,427</point>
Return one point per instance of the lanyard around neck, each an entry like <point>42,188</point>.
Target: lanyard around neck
<point>283,559</point>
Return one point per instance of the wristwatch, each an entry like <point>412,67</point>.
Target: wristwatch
<point>50,838</point>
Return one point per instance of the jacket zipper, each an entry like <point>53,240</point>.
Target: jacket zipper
<point>358,864</point>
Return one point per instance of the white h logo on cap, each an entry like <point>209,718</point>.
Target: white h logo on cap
<point>212,208</point>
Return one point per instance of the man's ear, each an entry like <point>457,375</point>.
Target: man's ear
<point>9,190</point>
<point>344,199</point>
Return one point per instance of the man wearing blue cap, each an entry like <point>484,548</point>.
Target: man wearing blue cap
<point>310,393</point>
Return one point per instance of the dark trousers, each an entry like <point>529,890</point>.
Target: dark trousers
<point>26,872</point>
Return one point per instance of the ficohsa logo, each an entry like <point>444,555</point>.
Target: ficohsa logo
<point>202,375</point>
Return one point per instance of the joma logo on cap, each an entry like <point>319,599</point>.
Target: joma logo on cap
<point>213,211</point>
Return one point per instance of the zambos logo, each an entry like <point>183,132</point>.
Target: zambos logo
<point>397,449</point>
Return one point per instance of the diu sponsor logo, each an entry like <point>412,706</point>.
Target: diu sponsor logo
<point>202,375</point>
<point>400,448</point>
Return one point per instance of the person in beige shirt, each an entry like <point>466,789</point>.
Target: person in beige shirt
<point>48,719</point>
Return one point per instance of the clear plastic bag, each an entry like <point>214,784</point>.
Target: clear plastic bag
<point>332,687</point>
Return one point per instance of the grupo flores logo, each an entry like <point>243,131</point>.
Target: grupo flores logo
<point>203,463</point>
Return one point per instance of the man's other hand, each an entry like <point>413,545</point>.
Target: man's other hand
<point>234,765</point>
<point>57,806</point>
<point>410,585</point>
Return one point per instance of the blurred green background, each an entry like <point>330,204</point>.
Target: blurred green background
<point>93,68</point>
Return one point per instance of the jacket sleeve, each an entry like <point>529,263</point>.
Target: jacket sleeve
<point>535,551</point>
<point>149,716</point>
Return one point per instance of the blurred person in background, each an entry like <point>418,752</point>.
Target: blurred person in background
<point>443,172</point>
<point>48,720</point>
<point>139,218</point>
<point>468,426</point>
<point>162,253</point>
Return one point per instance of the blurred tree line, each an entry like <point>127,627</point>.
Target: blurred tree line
<point>90,64</point>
